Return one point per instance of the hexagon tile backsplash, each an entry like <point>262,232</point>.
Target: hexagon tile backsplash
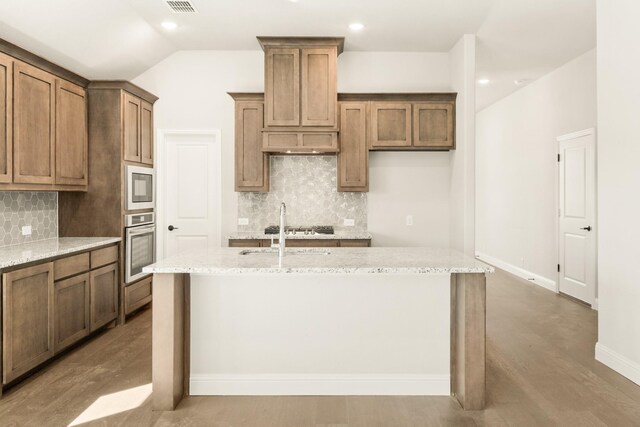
<point>308,185</point>
<point>39,210</point>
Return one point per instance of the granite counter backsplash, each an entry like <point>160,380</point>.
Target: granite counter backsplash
<point>19,208</point>
<point>308,185</point>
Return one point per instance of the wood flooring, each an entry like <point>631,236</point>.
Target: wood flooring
<point>541,371</point>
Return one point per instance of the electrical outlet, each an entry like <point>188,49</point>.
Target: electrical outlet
<point>409,220</point>
<point>349,222</point>
<point>522,262</point>
<point>243,221</point>
<point>26,230</point>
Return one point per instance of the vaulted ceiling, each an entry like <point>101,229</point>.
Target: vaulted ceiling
<point>119,39</point>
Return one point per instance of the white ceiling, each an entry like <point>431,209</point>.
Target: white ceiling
<point>119,39</point>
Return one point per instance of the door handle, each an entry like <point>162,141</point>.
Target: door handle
<point>171,228</point>
<point>588,228</point>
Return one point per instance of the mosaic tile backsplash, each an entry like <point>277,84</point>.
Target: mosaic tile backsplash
<point>308,185</point>
<point>39,210</point>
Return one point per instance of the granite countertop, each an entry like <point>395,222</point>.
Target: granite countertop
<point>339,235</point>
<point>381,260</point>
<point>11,256</point>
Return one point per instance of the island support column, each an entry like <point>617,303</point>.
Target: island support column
<point>468,336</point>
<point>170,340</point>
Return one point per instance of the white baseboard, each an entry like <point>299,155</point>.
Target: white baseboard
<point>520,272</point>
<point>319,385</point>
<point>618,363</point>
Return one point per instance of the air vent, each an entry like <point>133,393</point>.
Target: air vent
<point>182,6</point>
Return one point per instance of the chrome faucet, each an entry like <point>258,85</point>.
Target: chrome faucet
<point>282,241</point>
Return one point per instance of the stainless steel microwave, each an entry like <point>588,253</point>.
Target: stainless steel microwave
<point>140,188</point>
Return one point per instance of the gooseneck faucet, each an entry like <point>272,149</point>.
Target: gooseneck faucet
<point>281,243</point>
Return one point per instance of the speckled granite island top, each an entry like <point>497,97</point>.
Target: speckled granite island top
<point>380,260</point>
<point>339,235</point>
<point>15,255</point>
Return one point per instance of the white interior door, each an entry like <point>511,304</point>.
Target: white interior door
<point>577,225</point>
<point>191,185</point>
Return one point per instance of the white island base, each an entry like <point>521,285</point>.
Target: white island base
<point>306,335</point>
<point>300,333</point>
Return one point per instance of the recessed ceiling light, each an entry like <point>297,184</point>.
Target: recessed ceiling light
<point>168,25</point>
<point>483,82</point>
<point>356,26</point>
<point>520,82</point>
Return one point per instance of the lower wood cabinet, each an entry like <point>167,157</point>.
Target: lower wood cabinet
<point>27,319</point>
<point>104,295</point>
<point>320,243</point>
<point>50,306</point>
<point>71,311</point>
<point>137,295</point>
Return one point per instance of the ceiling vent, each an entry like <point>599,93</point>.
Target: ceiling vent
<point>182,6</point>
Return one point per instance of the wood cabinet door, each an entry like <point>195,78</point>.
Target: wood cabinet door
<point>34,95</point>
<point>146,133</point>
<point>318,86</point>
<point>282,86</point>
<point>252,165</point>
<point>390,125</point>
<point>131,127</point>
<point>71,134</point>
<point>433,125</point>
<point>244,243</point>
<point>104,295</point>
<point>27,319</point>
<point>353,158</point>
<point>6,118</point>
<point>71,311</point>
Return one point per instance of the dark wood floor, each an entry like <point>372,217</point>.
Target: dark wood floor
<point>541,372</point>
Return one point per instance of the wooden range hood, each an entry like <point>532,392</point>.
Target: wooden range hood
<point>301,98</point>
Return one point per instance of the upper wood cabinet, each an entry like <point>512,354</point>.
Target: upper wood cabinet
<point>413,122</point>
<point>146,133</point>
<point>309,142</point>
<point>6,118</point>
<point>353,158</point>
<point>300,80</point>
<point>390,124</point>
<point>131,112</point>
<point>433,125</point>
<point>252,165</point>
<point>282,86</point>
<point>137,125</point>
<point>319,93</point>
<point>71,134</point>
<point>34,122</point>
<point>27,319</point>
<point>43,125</point>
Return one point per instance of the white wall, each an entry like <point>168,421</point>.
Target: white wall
<point>517,168</point>
<point>462,58</point>
<point>192,87</point>
<point>618,186</point>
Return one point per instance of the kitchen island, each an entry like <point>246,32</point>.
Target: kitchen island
<point>336,321</point>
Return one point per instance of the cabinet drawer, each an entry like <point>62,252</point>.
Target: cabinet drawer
<point>137,295</point>
<point>355,243</point>
<point>70,266</point>
<point>104,256</point>
<point>244,243</point>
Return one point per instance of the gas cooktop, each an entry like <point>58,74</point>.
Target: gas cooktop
<point>316,229</point>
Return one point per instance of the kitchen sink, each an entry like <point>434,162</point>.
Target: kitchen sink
<point>296,251</point>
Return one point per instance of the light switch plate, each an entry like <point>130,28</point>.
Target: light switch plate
<point>243,221</point>
<point>26,230</point>
<point>409,220</point>
<point>349,222</point>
